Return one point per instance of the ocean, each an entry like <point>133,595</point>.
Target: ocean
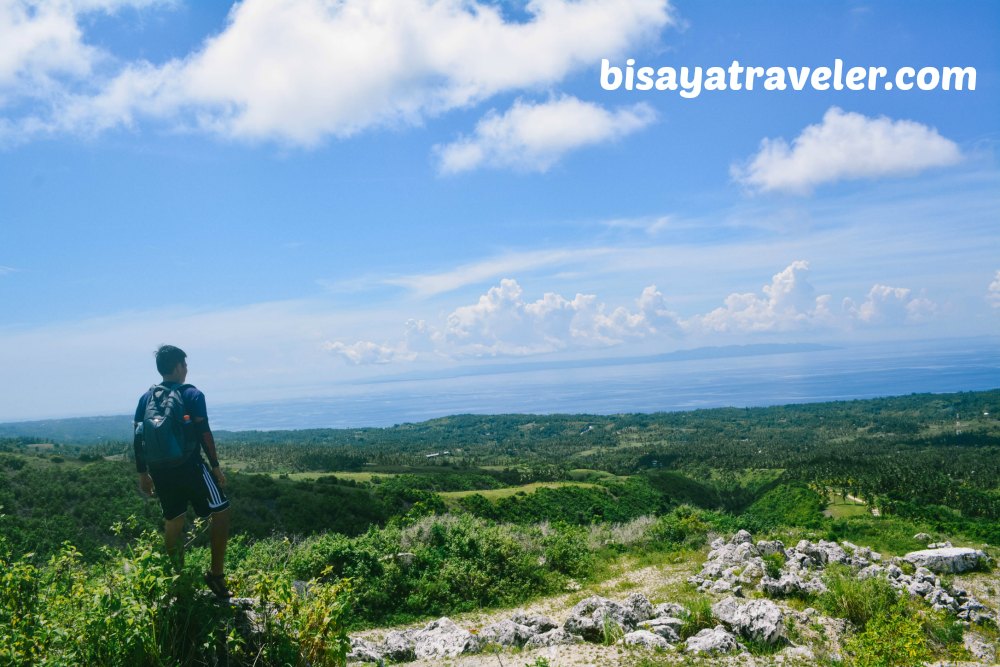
<point>659,384</point>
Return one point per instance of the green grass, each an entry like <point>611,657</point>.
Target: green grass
<point>507,491</point>
<point>839,507</point>
<point>591,475</point>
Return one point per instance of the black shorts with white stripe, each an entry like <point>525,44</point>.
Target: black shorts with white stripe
<point>190,483</point>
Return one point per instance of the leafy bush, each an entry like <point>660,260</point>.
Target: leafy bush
<point>894,640</point>
<point>857,600</point>
<point>133,609</point>
<point>683,526</point>
<point>773,564</point>
<point>566,551</point>
<point>942,630</point>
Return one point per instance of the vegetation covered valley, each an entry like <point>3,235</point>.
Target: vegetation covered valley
<point>405,524</point>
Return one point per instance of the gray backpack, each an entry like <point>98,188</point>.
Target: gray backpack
<point>164,441</point>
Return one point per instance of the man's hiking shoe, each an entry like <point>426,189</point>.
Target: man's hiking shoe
<point>217,584</point>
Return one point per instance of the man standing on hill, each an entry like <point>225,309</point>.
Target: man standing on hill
<point>175,413</point>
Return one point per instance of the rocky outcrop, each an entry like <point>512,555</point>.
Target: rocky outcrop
<point>554,637</point>
<point>399,646</point>
<point>731,565</point>
<point>667,627</point>
<point>506,633</point>
<point>947,560</point>
<point>759,620</point>
<point>593,617</point>
<point>640,606</point>
<point>980,648</point>
<point>790,584</point>
<point>712,641</point>
<point>739,562</point>
<point>442,639</point>
<point>364,651</point>
<point>646,639</point>
<point>537,622</point>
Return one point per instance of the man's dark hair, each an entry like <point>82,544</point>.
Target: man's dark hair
<point>167,358</point>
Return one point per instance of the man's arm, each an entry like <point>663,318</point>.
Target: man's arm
<point>145,481</point>
<point>208,445</point>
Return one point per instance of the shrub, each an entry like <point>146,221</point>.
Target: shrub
<point>893,640</point>
<point>566,551</point>
<point>857,600</point>
<point>684,526</point>
<point>773,564</point>
<point>133,609</point>
<point>698,615</point>
<point>942,630</point>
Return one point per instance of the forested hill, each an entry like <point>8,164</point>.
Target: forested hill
<point>923,456</point>
<point>72,431</point>
<point>899,415</point>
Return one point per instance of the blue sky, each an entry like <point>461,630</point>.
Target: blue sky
<point>307,193</point>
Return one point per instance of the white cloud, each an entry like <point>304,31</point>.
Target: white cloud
<point>4,270</point>
<point>42,43</point>
<point>301,70</point>
<point>366,352</point>
<point>503,323</point>
<point>650,225</point>
<point>993,291</point>
<point>533,137</point>
<point>890,305</point>
<point>846,146</point>
<point>788,303</point>
<point>430,284</point>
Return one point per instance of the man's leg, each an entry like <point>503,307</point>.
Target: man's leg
<point>173,529</point>
<point>219,539</point>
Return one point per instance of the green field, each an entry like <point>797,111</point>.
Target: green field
<point>839,507</point>
<point>506,492</point>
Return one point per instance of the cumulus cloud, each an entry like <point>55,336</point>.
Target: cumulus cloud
<point>367,352</point>
<point>533,137</point>
<point>299,71</point>
<point>788,303</point>
<point>890,305</point>
<point>503,323</point>
<point>993,291</point>
<point>846,146</point>
<point>42,43</point>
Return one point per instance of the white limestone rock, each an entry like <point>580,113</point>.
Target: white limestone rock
<point>399,645</point>
<point>665,626</point>
<point>760,620</point>
<point>442,639</point>
<point>506,633</point>
<point>646,639</point>
<point>712,641</point>
<point>554,637</point>
<point>364,651</point>
<point>953,560</point>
